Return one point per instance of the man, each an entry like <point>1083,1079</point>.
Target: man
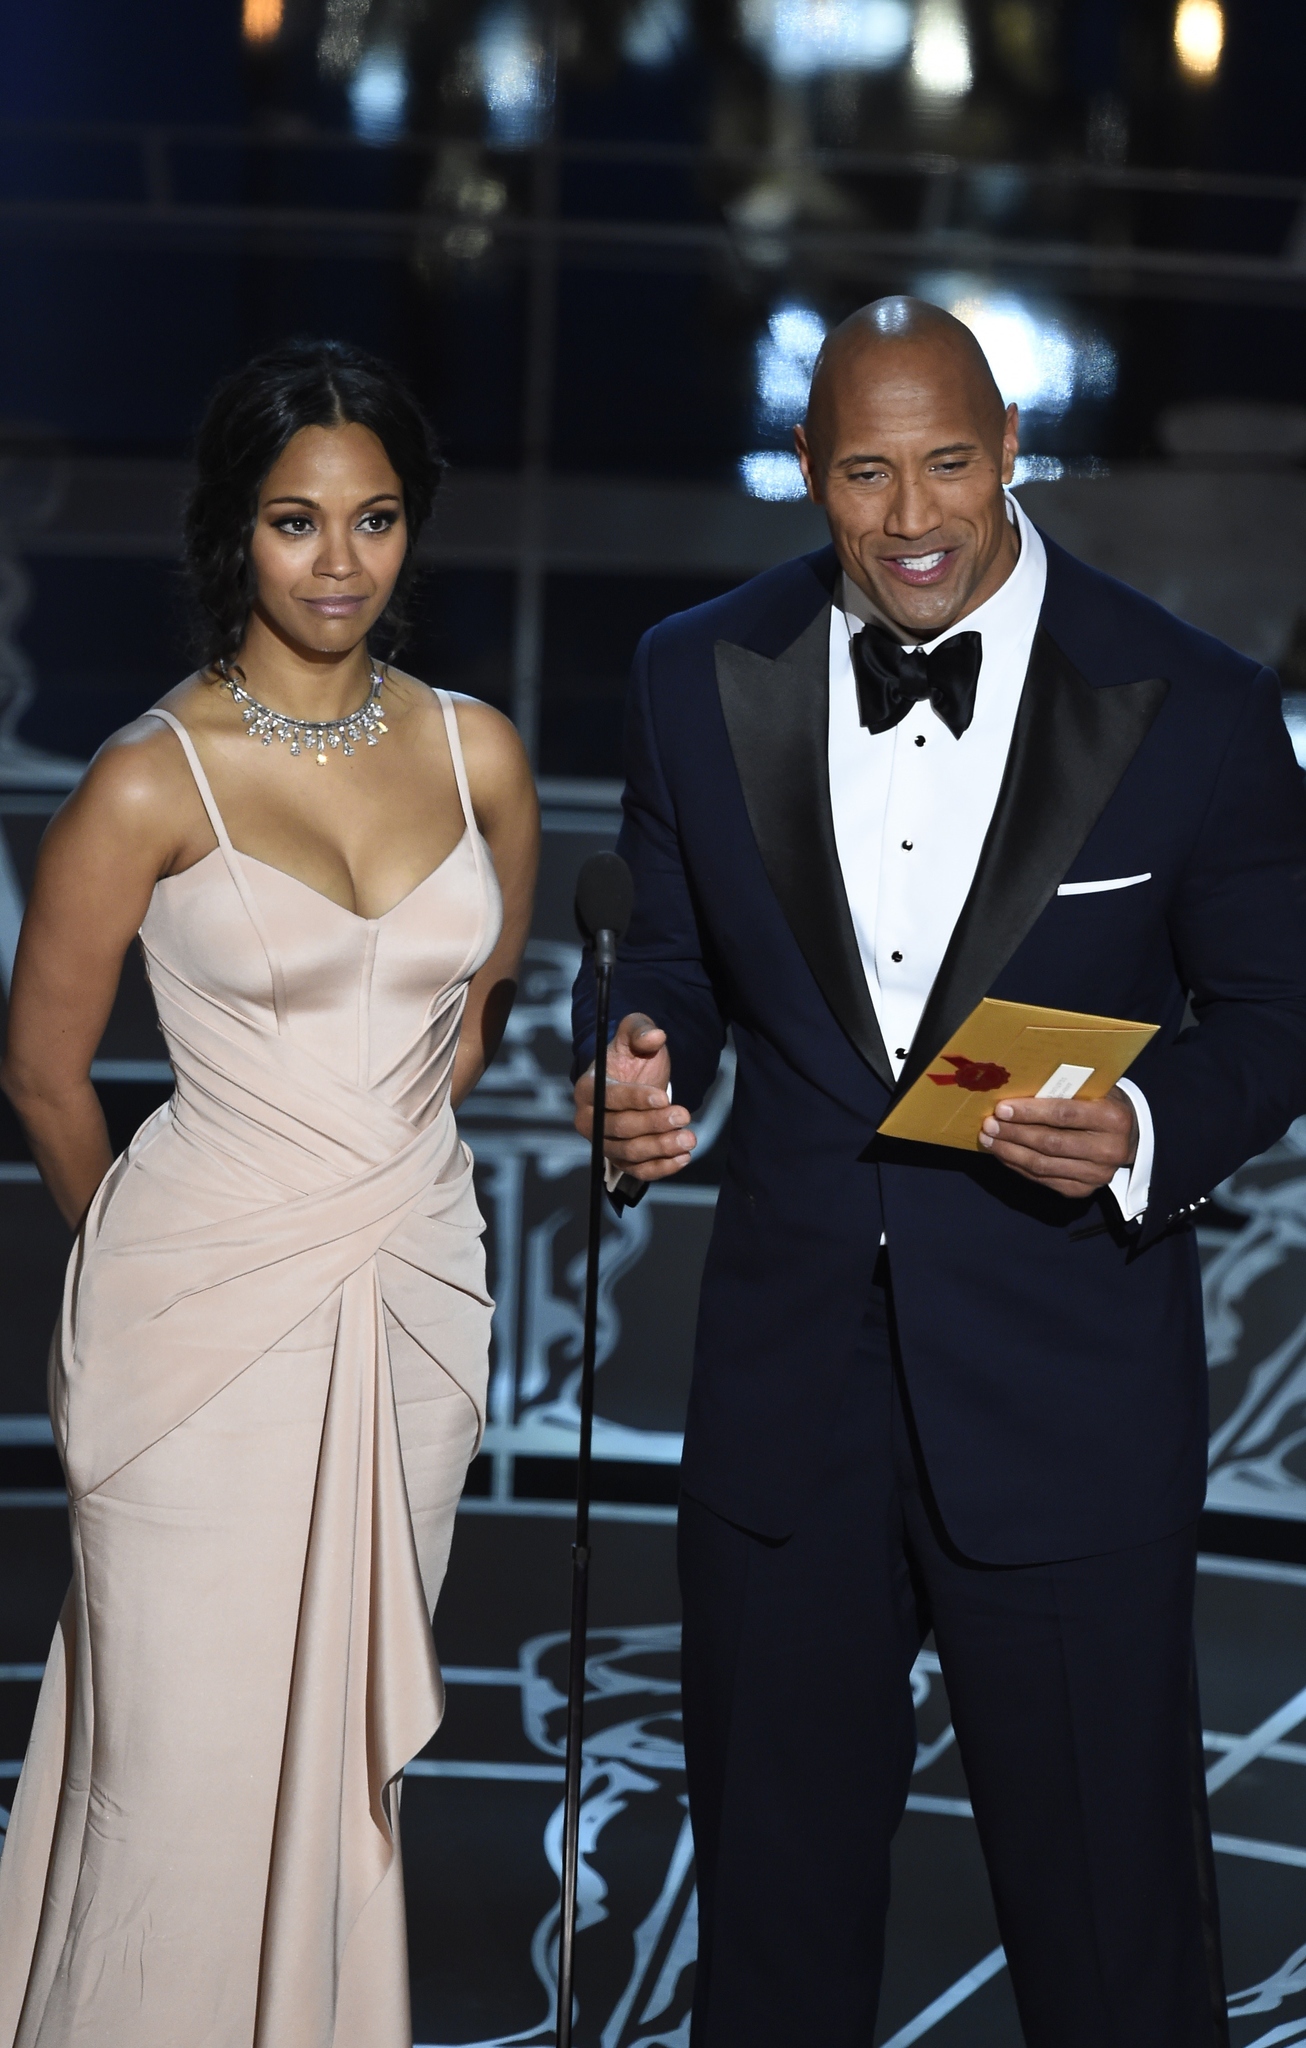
<point>936,1390</point>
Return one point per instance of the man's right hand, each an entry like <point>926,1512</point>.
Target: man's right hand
<point>645,1134</point>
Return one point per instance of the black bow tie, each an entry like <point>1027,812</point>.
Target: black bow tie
<point>891,678</point>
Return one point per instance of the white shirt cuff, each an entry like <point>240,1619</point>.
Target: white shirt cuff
<point>1131,1185</point>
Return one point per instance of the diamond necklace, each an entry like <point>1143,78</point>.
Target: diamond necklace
<point>308,735</point>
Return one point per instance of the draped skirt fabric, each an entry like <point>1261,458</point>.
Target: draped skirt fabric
<point>266,1386</point>
<point>149,1889</point>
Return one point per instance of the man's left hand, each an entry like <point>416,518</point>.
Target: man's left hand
<point>1074,1148</point>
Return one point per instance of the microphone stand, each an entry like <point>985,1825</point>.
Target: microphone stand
<point>605,954</point>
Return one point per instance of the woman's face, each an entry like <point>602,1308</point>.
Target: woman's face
<point>329,538</point>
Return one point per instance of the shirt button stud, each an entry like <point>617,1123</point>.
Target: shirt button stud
<point>901,1053</point>
<point>895,956</point>
<point>920,739</point>
<point>906,846</point>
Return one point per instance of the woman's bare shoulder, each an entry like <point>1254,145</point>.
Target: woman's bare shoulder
<point>491,742</point>
<point>496,759</point>
<point>140,774</point>
<point>498,771</point>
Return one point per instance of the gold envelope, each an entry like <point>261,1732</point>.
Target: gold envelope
<point>1005,1050</point>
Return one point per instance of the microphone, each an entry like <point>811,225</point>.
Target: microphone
<point>605,897</point>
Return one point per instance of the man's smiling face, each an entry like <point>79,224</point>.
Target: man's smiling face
<point>907,447</point>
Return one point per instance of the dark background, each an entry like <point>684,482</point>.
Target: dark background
<point>571,224</point>
<point>602,238</point>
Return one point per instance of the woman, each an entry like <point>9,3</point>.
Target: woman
<point>270,1372</point>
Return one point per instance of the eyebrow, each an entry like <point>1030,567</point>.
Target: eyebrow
<point>377,498</point>
<point>952,448</point>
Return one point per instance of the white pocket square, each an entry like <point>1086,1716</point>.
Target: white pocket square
<point>1096,888</point>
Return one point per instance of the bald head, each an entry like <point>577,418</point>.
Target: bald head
<point>907,445</point>
<point>879,342</point>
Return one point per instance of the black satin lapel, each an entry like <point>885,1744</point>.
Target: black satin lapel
<point>1070,747</point>
<point>777,717</point>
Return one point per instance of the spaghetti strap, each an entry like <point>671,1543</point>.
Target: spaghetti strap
<point>459,765</point>
<point>474,839</point>
<point>232,859</point>
<point>464,788</point>
<point>201,779</point>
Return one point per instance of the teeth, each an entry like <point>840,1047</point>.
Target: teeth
<point>920,563</point>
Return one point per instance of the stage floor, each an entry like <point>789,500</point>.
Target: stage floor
<point>480,1813</point>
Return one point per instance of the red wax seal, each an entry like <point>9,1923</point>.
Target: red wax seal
<point>980,1076</point>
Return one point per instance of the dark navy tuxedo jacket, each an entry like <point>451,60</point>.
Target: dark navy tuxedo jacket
<point>1054,1358</point>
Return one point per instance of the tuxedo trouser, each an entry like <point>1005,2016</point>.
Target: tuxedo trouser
<point>1073,1701</point>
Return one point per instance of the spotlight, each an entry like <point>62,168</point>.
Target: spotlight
<point>769,473</point>
<point>260,20</point>
<point>378,94</point>
<point>513,77</point>
<point>1040,362</point>
<point>940,51</point>
<point>804,38</point>
<point>786,357</point>
<point>1199,38</point>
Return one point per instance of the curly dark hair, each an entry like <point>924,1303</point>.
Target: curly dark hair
<point>249,420</point>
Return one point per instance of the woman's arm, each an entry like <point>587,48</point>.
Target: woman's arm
<point>99,861</point>
<point>507,810</point>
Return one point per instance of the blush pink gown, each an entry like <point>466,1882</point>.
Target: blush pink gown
<point>266,1387</point>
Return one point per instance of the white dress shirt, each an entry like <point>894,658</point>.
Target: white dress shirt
<point>912,807</point>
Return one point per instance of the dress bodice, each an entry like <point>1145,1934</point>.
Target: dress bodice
<point>378,1001</point>
<point>310,1132</point>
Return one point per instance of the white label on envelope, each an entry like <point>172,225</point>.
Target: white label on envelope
<point>1067,1081</point>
